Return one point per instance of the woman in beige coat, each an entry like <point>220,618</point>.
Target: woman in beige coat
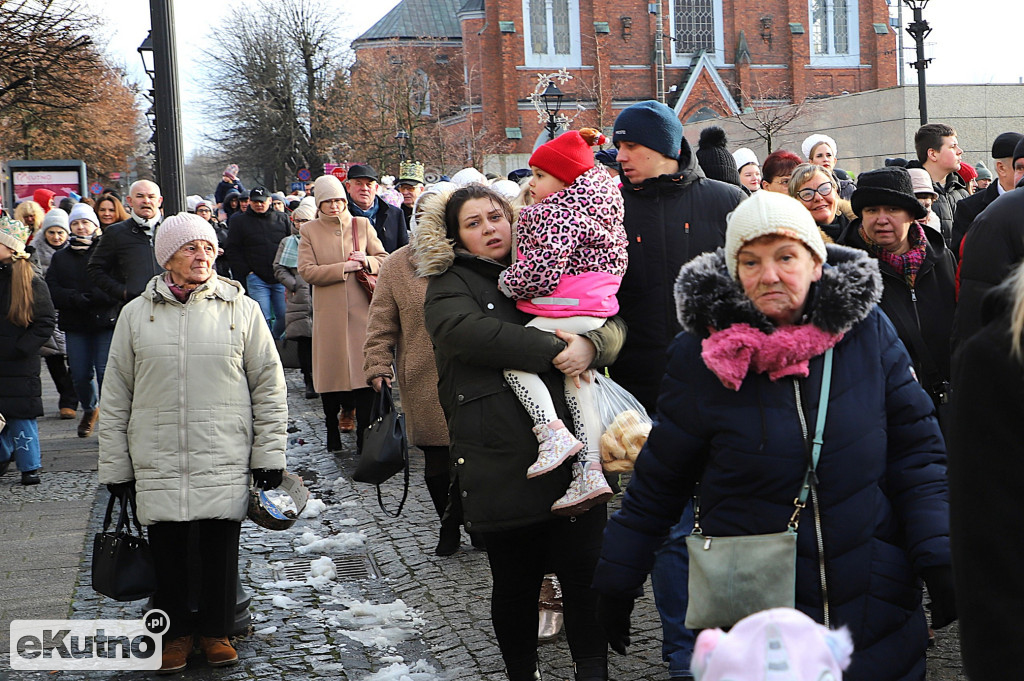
<point>328,260</point>
<point>397,339</point>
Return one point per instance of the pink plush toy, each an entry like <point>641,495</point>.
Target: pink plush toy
<point>781,644</point>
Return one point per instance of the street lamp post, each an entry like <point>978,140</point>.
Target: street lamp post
<point>552,98</point>
<point>160,60</point>
<point>920,29</point>
<point>402,138</point>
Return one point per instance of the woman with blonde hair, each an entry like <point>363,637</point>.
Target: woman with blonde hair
<point>25,324</point>
<point>818,190</point>
<point>30,214</point>
<point>985,474</point>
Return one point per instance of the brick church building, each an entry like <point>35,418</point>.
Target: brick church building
<point>714,58</point>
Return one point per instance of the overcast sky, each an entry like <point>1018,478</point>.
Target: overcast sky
<point>969,44</point>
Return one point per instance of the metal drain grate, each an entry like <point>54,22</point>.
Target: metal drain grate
<point>349,568</point>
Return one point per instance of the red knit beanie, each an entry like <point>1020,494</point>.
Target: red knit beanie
<point>569,155</point>
<point>967,172</point>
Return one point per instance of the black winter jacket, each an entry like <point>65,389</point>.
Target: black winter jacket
<point>21,393</point>
<point>82,306</point>
<point>882,486</point>
<point>928,308</point>
<point>223,187</point>
<point>389,223</point>
<point>991,248</point>
<point>985,474</point>
<point>253,239</point>
<point>968,209</point>
<point>669,220</point>
<point>950,193</point>
<point>123,262</point>
<point>477,333</point>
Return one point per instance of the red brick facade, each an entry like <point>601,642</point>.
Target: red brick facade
<point>612,64</point>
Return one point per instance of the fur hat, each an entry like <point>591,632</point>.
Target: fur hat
<point>983,172</point>
<point>770,213</point>
<point>651,124</point>
<point>890,186</point>
<point>744,157</point>
<point>781,644</point>
<point>83,211</point>
<point>177,230</point>
<point>13,234</point>
<point>231,172</point>
<point>55,217</point>
<point>714,157</point>
<point>569,155</point>
<point>328,187</point>
<point>814,140</point>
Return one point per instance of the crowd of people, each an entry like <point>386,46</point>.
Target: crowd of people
<point>736,300</point>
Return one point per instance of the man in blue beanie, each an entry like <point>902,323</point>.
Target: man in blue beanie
<point>673,213</point>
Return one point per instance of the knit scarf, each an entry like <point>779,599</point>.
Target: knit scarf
<point>80,243</point>
<point>144,224</point>
<point>907,264</point>
<point>731,353</point>
<point>370,214</point>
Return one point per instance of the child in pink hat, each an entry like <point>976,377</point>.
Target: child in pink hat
<point>571,256</point>
<point>781,644</point>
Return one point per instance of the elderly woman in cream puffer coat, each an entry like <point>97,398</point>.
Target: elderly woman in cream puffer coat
<point>193,407</point>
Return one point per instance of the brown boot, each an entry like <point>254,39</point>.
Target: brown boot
<point>218,651</point>
<point>176,653</point>
<point>88,422</point>
<point>347,420</point>
<point>67,413</point>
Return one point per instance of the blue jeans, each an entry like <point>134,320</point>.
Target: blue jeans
<point>669,583</point>
<point>271,300</point>
<point>20,438</point>
<point>87,359</point>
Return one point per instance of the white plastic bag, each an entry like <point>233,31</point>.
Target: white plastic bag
<point>625,422</point>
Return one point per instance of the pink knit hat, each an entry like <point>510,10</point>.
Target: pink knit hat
<point>178,230</point>
<point>781,644</point>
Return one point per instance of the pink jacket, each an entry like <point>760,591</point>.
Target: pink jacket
<point>571,253</point>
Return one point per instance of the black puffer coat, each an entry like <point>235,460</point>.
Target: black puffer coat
<point>21,393</point>
<point>882,475</point>
<point>928,308</point>
<point>123,262</point>
<point>253,239</point>
<point>669,220</point>
<point>968,209</point>
<point>990,250</point>
<point>82,305</point>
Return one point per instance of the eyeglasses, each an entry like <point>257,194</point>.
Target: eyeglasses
<point>825,188</point>
<point>300,221</point>
<point>203,210</point>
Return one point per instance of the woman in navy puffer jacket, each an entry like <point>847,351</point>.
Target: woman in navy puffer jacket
<point>882,471</point>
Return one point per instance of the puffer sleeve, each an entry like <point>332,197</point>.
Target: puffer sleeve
<point>267,391</point>
<point>115,462</point>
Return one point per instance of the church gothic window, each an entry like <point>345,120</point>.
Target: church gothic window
<point>834,33</point>
<point>695,26</point>
<point>552,32</point>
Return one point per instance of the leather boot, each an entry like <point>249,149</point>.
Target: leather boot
<point>523,671</point>
<point>311,393</point>
<point>88,422</point>
<point>218,650</point>
<point>591,669</point>
<point>175,655</point>
<point>450,537</point>
<point>333,435</point>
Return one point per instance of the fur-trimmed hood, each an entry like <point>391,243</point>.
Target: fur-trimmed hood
<point>432,251</point>
<point>708,298</point>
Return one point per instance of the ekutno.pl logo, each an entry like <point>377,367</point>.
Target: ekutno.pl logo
<point>109,645</point>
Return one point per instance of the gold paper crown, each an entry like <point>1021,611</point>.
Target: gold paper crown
<point>411,171</point>
<point>13,234</point>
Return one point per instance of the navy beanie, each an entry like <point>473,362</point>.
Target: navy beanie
<point>651,124</point>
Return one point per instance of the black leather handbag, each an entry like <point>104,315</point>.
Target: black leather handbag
<point>122,564</point>
<point>385,448</point>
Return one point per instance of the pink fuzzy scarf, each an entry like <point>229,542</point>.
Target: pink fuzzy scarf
<point>732,352</point>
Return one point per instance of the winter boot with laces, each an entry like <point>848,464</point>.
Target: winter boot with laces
<point>556,445</point>
<point>175,655</point>
<point>587,489</point>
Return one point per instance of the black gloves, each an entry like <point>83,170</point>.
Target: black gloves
<point>940,587</point>
<point>267,479</point>
<point>118,489</point>
<point>613,616</point>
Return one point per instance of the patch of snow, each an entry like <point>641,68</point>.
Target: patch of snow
<point>345,541</point>
<point>285,602</point>
<point>419,671</point>
<point>266,632</point>
<point>314,507</point>
<point>380,625</point>
<point>323,567</point>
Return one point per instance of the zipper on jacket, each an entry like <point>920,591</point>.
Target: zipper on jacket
<point>814,500</point>
<point>913,303</point>
<point>182,402</point>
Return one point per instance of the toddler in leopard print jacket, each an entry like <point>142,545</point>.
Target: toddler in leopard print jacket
<point>571,256</point>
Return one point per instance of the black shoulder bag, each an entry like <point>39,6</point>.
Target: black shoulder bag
<point>385,448</point>
<point>122,564</point>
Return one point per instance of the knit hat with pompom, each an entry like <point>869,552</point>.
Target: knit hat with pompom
<point>569,155</point>
<point>714,157</point>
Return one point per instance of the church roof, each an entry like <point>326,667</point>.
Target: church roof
<point>418,19</point>
<point>472,6</point>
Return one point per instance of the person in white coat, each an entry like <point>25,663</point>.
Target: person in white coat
<point>193,404</point>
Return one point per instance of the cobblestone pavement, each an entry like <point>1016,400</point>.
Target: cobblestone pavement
<point>391,610</point>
